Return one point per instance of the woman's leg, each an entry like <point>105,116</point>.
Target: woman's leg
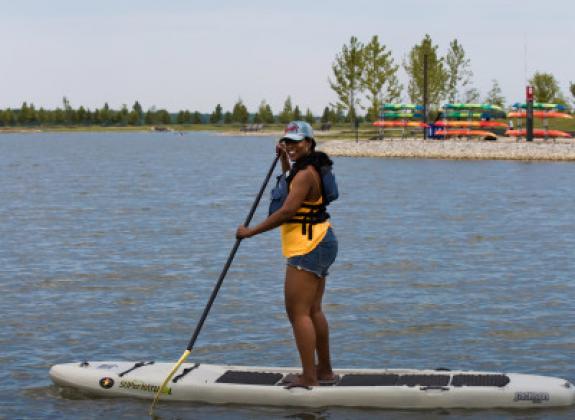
<point>324,370</point>
<point>300,291</point>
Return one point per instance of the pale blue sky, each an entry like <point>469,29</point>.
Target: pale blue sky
<point>180,54</point>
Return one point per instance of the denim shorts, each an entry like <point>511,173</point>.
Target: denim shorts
<point>320,258</point>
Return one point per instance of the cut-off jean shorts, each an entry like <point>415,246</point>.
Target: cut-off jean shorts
<point>320,258</point>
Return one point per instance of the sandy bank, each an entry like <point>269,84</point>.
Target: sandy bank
<point>508,149</point>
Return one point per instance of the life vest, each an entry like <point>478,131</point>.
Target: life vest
<point>315,213</point>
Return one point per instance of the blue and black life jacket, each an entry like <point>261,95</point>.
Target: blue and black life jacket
<point>329,192</point>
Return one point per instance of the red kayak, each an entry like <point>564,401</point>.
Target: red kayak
<point>482,124</point>
<point>464,132</point>
<point>399,124</point>
<point>539,114</point>
<point>537,132</point>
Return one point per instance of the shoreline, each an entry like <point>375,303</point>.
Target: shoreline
<point>337,143</point>
<point>501,149</point>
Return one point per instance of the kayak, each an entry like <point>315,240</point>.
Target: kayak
<point>538,132</point>
<point>464,114</point>
<point>540,105</point>
<point>400,115</point>
<point>402,106</point>
<point>465,132</point>
<point>539,114</point>
<point>483,124</point>
<point>378,388</point>
<point>399,124</point>
<point>485,107</point>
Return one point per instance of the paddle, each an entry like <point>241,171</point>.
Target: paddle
<point>215,291</point>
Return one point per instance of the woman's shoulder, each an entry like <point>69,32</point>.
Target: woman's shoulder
<point>306,174</point>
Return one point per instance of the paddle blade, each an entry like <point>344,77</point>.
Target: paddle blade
<point>168,378</point>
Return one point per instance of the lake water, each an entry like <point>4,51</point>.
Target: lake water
<point>110,245</point>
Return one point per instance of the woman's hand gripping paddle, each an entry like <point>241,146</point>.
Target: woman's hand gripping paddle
<point>214,292</point>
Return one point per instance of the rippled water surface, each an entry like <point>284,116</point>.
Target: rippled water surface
<point>110,245</point>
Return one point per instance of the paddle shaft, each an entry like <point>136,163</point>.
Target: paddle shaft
<point>230,259</point>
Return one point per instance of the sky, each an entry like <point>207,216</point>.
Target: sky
<point>188,54</point>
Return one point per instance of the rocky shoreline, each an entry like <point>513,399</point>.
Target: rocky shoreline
<point>506,149</point>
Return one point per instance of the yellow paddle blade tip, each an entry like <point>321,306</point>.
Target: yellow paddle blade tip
<point>163,389</point>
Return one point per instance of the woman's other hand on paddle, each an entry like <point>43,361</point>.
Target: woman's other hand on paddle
<point>243,232</point>
<point>281,149</point>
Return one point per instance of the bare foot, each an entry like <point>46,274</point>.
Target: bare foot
<point>300,380</point>
<point>325,375</point>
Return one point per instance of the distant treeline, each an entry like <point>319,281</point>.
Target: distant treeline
<point>29,116</point>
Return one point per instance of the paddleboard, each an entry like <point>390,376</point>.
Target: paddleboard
<point>381,388</point>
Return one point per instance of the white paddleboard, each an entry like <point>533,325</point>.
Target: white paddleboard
<point>384,388</point>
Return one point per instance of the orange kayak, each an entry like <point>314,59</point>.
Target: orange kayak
<point>537,132</point>
<point>464,132</point>
<point>399,124</point>
<point>482,124</point>
<point>539,114</point>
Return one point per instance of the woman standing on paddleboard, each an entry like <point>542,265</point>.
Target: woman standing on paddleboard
<point>308,242</point>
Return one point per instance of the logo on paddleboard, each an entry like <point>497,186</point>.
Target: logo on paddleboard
<point>106,383</point>
<point>534,397</point>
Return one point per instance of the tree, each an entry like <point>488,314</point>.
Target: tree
<point>137,114</point>
<point>287,113</point>
<point>436,73</point>
<point>458,72</point>
<point>151,117</point>
<point>265,113</point>
<point>240,112</point>
<point>196,118</point>
<point>228,118</point>
<point>26,115</point>
<point>545,87</point>
<point>82,115</point>
<point>309,116</point>
<point>217,115</point>
<point>325,117</point>
<point>105,114</point>
<point>183,117</point>
<point>495,95</point>
<point>470,96</point>
<point>297,113</point>
<point>572,90</point>
<point>379,71</point>
<point>134,118</point>
<point>8,117</point>
<point>347,71</point>
<point>69,114</point>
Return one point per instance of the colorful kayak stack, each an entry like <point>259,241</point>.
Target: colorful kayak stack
<point>543,111</point>
<point>399,116</point>
<point>465,125</point>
